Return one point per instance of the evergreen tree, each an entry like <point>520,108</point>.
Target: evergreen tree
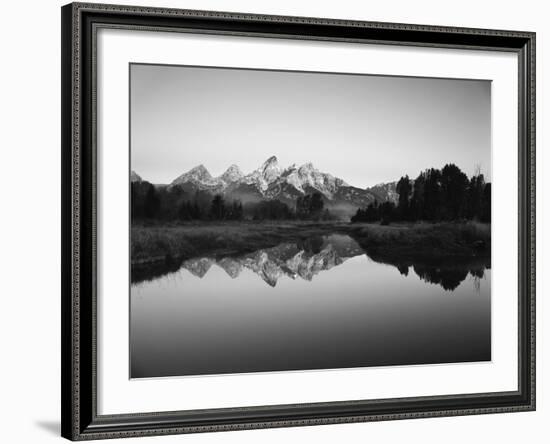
<point>302,206</point>
<point>272,210</point>
<point>152,203</point>
<point>404,189</point>
<point>316,205</point>
<point>387,212</point>
<point>235,211</point>
<point>359,216</point>
<point>196,211</point>
<point>184,211</point>
<point>475,191</point>
<point>373,212</point>
<point>217,208</point>
<point>454,185</point>
<point>417,201</point>
<point>310,206</point>
<point>432,195</point>
<point>369,214</point>
<point>485,213</point>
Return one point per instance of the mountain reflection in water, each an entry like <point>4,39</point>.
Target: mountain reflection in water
<point>307,258</point>
<point>328,303</point>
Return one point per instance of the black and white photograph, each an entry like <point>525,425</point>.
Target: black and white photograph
<point>293,220</point>
<point>293,215</point>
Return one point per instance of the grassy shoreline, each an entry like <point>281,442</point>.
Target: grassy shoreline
<point>154,243</point>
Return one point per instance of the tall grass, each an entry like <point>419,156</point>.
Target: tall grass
<point>426,240</point>
<point>160,242</point>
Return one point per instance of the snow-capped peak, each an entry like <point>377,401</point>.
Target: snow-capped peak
<point>269,179</point>
<point>232,174</point>
<point>269,162</point>
<point>199,171</point>
<point>306,167</point>
<point>309,176</point>
<point>198,174</point>
<point>270,169</point>
<point>268,172</point>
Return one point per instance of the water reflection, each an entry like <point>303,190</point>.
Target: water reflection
<point>307,258</point>
<point>320,303</point>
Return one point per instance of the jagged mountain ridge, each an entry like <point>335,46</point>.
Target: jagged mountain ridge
<point>271,181</point>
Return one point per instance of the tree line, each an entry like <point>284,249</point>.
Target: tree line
<point>162,203</point>
<point>308,207</point>
<point>435,195</point>
<point>173,203</point>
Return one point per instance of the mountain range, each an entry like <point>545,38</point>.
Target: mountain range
<point>271,181</point>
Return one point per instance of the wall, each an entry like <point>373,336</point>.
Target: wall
<point>30,232</point>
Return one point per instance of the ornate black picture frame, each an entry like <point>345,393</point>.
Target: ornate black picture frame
<point>80,420</point>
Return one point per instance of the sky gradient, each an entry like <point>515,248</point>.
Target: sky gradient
<point>363,129</point>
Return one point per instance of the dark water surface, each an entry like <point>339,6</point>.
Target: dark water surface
<point>317,304</point>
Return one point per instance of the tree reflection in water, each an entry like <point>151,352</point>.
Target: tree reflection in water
<point>310,256</point>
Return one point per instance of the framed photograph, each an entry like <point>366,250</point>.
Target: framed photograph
<point>280,221</point>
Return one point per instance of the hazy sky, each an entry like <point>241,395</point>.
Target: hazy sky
<point>363,129</point>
